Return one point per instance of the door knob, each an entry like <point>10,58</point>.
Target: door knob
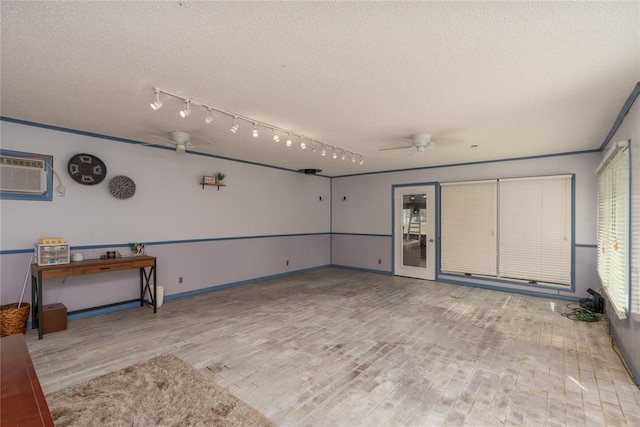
<point>431,240</point>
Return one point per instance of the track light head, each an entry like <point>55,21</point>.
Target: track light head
<point>186,111</point>
<point>361,162</point>
<point>254,132</point>
<point>335,154</point>
<point>235,126</point>
<point>323,151</point>
<point>209,119</point>
<point>343,156</point>
<point>276,138</point>
<point>288,143</point>
<point>157,102</point>
<point>303,145</point>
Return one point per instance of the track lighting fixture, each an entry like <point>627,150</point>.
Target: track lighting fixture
<point>157,102</point>
<point>235,126</point>
<point>209,119</point>
<point>186,111</point>
<point>315,145</point>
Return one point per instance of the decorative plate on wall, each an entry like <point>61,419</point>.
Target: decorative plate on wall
<point>122,187</point>
<point>86,169</point>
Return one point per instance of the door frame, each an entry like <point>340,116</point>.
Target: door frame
<point>436,222</point>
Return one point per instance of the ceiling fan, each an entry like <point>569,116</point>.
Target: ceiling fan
<point>181,141</point>
<point>421,142</point>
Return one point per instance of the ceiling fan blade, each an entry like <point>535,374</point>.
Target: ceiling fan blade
<point>164,139</point>
<point>396,148</point>
<point>167,144</point>
<point>197,138</point>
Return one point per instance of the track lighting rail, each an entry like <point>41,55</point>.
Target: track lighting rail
<point>338,152</point>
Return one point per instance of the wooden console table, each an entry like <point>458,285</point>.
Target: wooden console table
<point>22,402</point>
<point>39,273</point>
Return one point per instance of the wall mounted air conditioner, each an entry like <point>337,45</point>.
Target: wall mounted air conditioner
<point>20,175</point>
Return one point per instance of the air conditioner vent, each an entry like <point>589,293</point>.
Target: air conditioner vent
<point>22,175</point>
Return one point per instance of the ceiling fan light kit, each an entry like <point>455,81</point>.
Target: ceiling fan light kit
<point>157,103</point>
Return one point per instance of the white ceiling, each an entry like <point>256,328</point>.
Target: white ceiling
<point>515,78</point>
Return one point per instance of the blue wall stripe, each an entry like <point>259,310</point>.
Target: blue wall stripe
<point>241,283</point>
<point>510,290</point>
<point>131,141</point>
<point>365,270</point>
<point>482,162</point>
<point>172,242</point>
<point>621,115</point>
<point>552,287</point>
<point>362,234</point>
<point>168,242</point>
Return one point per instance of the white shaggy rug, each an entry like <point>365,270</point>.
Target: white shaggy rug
<point>163,391</point>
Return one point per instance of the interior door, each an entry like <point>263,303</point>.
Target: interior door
<point>415,232</point>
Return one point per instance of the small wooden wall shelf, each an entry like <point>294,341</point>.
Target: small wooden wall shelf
<point>212,181</point>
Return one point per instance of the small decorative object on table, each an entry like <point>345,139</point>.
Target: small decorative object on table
<point>137,248</point>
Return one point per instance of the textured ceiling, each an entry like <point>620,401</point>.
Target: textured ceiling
<point>514,78</point>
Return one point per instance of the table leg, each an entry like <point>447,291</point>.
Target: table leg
<point>39,313</point>
<point>142,288</point>
<point>145,285</point>
<point>34,290</point>
<point>155,290</point>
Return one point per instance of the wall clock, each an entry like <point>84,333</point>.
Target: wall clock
<point>122,187</point>
<point>86,169</point>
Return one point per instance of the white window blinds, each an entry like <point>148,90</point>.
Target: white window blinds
<point>535,229</point>
<point>613,226</point>
<point>468,227</point>
<point>517,228</point>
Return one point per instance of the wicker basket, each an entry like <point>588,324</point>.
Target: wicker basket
<point>13,320</point>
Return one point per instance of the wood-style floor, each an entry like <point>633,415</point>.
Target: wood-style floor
<point>348,348</point>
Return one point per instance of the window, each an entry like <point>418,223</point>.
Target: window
<point>613,226</point>
<point>517,228</point>
<point>469,225</point>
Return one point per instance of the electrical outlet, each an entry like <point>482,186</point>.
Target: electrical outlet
<point>179,280</point>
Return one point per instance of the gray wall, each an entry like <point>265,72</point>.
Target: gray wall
<point>247,230</point>
<point>364,218</point>
<point>627,331</point>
